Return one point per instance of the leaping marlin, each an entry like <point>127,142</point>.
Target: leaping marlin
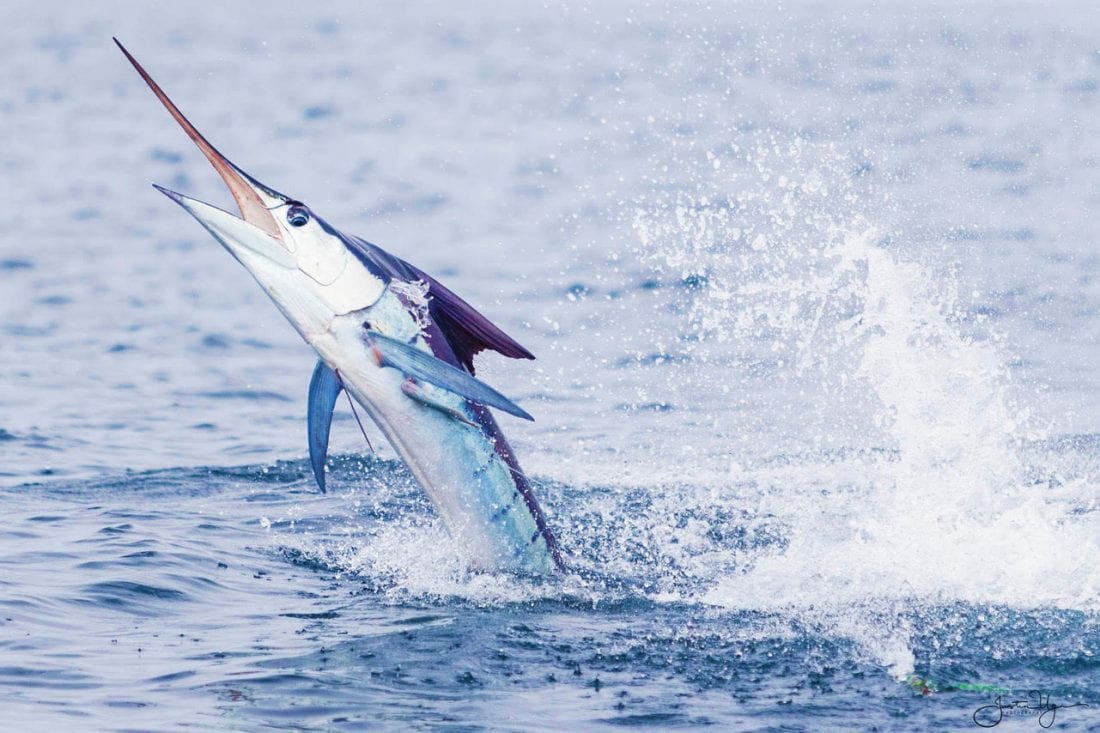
<point>402,345</point>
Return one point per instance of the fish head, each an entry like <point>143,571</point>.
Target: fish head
<point>298,259</point>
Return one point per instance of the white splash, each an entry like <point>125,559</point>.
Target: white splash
<point>416,298</point>
<point>935,505</point>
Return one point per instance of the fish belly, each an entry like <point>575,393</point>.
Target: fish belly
<point>470,483</point>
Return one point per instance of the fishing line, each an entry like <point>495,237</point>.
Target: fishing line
<point>351,404</point>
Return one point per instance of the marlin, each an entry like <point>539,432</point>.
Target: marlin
<point>402,345</point>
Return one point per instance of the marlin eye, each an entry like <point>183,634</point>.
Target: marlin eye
<point>298,216</point>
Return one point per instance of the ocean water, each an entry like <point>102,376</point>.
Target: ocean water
<point>814,294</point>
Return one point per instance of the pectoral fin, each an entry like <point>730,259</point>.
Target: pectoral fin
<point>324,388</point>
<point>412,362</point>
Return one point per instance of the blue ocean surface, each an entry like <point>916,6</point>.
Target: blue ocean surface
<point>814,294</point>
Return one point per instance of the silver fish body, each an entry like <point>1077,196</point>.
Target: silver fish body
<point>402,345</point>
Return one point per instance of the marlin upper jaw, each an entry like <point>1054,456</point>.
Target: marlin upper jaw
<point>254,199</point>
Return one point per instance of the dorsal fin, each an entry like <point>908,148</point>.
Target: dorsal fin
<point>466,330</point>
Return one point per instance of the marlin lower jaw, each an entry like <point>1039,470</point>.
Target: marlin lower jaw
<point>234,233</point>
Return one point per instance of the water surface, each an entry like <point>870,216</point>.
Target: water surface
<point>813,294</point>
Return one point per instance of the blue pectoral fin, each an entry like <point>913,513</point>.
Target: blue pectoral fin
<point>421,365</point>
<point>324,388</point>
